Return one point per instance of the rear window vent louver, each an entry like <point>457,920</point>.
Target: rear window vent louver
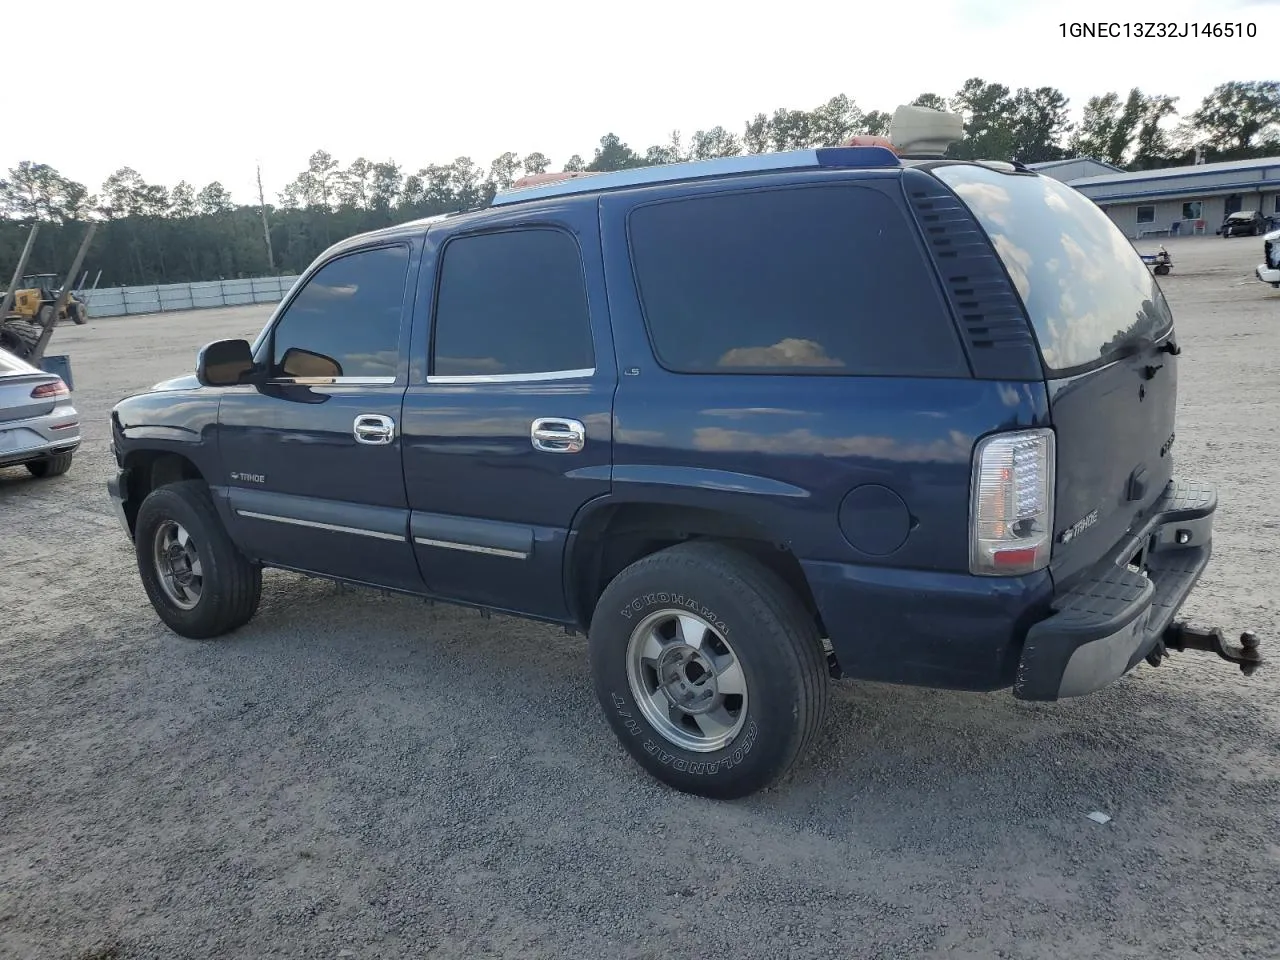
<point>992,322</point>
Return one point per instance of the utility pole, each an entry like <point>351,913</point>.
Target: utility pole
<point>266,230</point>
<point>17,273</point>
<point>37,352</point>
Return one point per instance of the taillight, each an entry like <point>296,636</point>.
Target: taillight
<point>47,391</point>
<point>1011,508</point>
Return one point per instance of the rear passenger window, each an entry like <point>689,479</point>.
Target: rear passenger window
<point>812,280</point>
<point>512,303</point>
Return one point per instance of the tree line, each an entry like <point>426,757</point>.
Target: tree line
<point>150,233</point>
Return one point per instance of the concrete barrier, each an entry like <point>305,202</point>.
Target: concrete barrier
<point>126,301</point>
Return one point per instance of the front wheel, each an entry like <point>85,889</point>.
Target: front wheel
<point>196,578</point>
<point>709,669</point>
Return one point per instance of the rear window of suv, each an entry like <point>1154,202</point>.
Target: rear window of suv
<point>1086,290</point>
<point>810,280</point>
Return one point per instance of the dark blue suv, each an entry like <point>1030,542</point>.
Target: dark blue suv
<point>749,423</point>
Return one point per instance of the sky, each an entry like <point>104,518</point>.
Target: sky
<point>205,92</point>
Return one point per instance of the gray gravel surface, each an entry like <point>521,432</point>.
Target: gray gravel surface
<point>354,775</point>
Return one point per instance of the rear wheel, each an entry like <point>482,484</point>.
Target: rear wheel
<point>53,466</point>
<point>196,578</point>
<point>709,669</point>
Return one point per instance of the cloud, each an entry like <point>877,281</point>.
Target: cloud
<point>791,352</point>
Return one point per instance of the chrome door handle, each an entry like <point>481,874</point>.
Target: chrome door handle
<point>374,428</point>
<point>555,435</point>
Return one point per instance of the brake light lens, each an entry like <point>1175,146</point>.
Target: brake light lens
<point>48,391</point>
<point>1011,510</point>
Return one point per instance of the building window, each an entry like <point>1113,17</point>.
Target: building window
<point>1147,213</point>
<point>1277,204</point>
<point>1192,210</point>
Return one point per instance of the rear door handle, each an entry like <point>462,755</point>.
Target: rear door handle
<point>374,428</point>
<point>556,435</point>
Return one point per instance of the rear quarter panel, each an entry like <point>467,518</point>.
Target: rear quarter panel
<point>787,450</point>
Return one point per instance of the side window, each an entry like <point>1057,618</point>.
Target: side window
<point>813,280</point>
<point>512,302</point>
<point>346,321</point>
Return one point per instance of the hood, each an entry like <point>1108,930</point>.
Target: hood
<point>1272,236</point>
<point>185,382</point>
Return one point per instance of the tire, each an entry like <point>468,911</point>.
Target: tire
<point>1162,270</point>
<point>19,337</point>
<point>53,466</point>
<point>744,613</point>
<point>77,314</point>
<point>215,598</point>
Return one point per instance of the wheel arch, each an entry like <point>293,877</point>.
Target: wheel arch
<point>149,469</point>
<point>609,535</point>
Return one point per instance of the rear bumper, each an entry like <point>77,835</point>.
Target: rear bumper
<point>22,441</point>
<point>1114,616</point>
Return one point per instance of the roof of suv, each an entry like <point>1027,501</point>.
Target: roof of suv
<point>809,159</point>
<point>860,157</point>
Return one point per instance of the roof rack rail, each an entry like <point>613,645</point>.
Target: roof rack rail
<point>813,158</point>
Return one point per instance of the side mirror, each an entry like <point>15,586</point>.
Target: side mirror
<point>297,362</point>
<point>224,363</point>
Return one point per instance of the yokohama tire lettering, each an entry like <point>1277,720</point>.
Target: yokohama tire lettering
<point>639,604</point>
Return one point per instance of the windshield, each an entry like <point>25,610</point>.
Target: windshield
<point>1086,290</point>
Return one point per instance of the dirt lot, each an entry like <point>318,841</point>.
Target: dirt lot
<point>359,776</point>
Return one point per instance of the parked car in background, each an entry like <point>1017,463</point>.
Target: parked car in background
<point>1244,223</point>
<point>39,426</point>
<point>1268,271</point>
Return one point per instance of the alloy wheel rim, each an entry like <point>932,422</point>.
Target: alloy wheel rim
<point>687,680</point>
<point>177,565</point>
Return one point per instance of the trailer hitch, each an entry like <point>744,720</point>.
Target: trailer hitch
<point>1181,636</point>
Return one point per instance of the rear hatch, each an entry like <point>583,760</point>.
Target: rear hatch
<point>1105,335</point>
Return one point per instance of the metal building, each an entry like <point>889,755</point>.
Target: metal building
<point>1179,201</point>
<point>1074,169</point>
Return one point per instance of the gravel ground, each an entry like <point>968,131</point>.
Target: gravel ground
<point>360,776</point>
